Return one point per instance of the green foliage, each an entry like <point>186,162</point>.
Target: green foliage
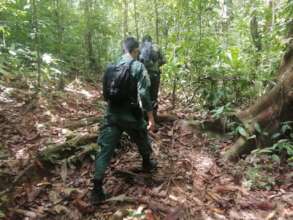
<point>62,29</point>
<point>211,52</point>
<point>283,148</point>
<point>257,178</point>
<point>15,59</point>
<point>222,111</point>
<point>221,63</point>
<point>21,61</point>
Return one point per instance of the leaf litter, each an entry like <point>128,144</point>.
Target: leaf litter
<point>191,182</point>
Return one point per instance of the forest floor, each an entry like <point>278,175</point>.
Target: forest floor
<point>191,181</point>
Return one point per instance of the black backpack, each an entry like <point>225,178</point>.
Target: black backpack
<point>119,86</point>
<point>147,54</point>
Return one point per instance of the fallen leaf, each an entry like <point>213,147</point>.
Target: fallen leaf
<point>230,188</point>
<point>271,215</point>
<point>215,196</point>
<point>34,193</point>
<point>71,193</point>
<point>149,215</point>
<point>61,209</point>
<point>26,213</point>
<point>54,197</point>
<point>265,205</point>
<point>83,207</point>
<point>120,198</point>
<point>175,214</point>
<point>219,216</point>
<point>119,214</point>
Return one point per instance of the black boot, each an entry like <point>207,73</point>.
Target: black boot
<point>98,194</point>
<point>148,165</point>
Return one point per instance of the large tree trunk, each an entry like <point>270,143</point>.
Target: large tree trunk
<point>269,111</point>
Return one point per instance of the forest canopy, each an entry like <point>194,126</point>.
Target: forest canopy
<point>205,42</point>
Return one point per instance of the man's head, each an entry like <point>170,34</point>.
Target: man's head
<point>131,46</point>
<point>147,38</point>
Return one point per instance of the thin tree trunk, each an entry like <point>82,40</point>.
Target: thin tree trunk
<point>174,92</point>
<point>200,24</point>
<point>125,20</point>
<point>270,17</point>
<point>175,79</point>
<point>226,7</point>
<point>92,64</point>
<point>3,39</point>
<point>37,42</point>
<point>157,21</point>
<point>256,39</point>
<point>254,31</point>
<point>166,34</point>
<point>136,19</point>
<point>60,38</point>
<point>59,26</point>
<point>273,15</point>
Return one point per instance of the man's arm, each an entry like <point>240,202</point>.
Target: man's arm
<point>151,121</point>
<point>143,88</point>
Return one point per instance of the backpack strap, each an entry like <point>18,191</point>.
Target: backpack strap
<point>132,96</point>
<point>127,63</point>
<point>131,62</point>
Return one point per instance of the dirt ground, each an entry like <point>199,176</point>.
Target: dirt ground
<point>191,181</point>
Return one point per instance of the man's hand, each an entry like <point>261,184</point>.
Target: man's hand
<point>151,122</point>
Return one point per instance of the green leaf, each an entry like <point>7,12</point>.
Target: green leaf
<point>266,150</point>
<point>243,132</point>
<point>120,198</point>
<point>257,127</point>
<point>290,150</point>
<point>2,214</point>
<point>276,158</point>
<point>265,133</point>
<point>276,135</point>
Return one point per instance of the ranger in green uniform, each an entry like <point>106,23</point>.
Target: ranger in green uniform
<point>123,118</point>
<point>152,57</point>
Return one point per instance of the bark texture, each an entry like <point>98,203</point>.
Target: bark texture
<point>269,111</point>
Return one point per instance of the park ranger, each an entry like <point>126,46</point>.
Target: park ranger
<point>126,117</point>
<point>151,56</point>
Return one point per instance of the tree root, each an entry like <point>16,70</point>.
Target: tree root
<point>82,123</point>
<point>71,151</point>
<point>60,151</point>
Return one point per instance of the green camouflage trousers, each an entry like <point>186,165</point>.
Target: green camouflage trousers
<point>110,136</point>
